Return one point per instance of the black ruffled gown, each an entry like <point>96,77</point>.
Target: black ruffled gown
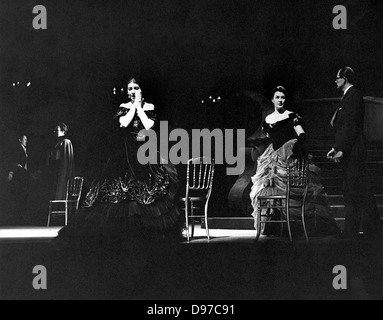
<point>129,202</point>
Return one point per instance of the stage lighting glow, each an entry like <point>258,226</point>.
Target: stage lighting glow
<point>29,233</point>
<point>29,84</point>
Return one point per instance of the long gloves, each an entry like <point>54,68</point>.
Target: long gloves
<point>299,150</point>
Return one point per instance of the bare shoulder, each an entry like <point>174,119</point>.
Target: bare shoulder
<point>269,118</point>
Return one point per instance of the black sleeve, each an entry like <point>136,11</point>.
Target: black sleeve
<point>121,112</point>
<point>298,149</point>
<point>265,127</point>
<point>151,114</point>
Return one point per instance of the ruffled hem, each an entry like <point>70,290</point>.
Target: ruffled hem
<point>162,182</point>
<point>271,180</point>
<point>128,220</point>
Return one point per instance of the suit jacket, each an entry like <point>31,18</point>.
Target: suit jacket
<point>18,166</point>
<point>19,159</point>
<point>349,121</point>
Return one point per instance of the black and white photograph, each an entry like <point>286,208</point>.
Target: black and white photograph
<point>191,154</point>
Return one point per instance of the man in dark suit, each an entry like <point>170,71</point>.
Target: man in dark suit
<point>350,151</point>
<point>18,178</point>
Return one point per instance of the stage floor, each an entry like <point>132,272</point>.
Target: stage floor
<point>45,234</point>
<point>231,266</point>
<point>32,234</point>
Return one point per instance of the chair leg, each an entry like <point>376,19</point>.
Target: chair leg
<point>304,220</point>
<point>66,214</point>
<point>187,219</point>
<point>193,226</point>
<point>288,218</point>
<point>258,221</point>
<point>49,220</point>
<point>270,215</point>
<point>207,225</point>
<point>49,215</point>
<point>192,219</point>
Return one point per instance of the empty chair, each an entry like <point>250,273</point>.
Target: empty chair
<point>297,181</point>
<point>199,182</point>
<point>70,204</point>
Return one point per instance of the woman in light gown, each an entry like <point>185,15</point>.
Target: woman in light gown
<point>285,131</point>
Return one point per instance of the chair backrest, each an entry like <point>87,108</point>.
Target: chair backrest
<point>200,174</point>
<point>74,188</point>
<point>298,173</point>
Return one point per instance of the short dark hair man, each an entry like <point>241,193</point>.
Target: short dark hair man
<point>350,150</point>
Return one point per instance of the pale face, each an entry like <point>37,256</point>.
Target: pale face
<point>279,100</point>
<point>340,83</point>
<point>24,141</point>
<point>134,92</point>
<point>58,132</point>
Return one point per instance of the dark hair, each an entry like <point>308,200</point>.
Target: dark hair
<point>63,127</point>
<point>20,135</point>
<point>279,89</point>
<point>136,81</point>
<point>348,73</point>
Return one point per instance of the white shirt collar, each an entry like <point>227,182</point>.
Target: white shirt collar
<point>347,90</point>
<point>25,150</point>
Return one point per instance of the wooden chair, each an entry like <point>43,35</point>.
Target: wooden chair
<point>71,203</point>
<point>199,183</point>
<point>297,180</point>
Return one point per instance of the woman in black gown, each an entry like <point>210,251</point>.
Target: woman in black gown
<point>129,202</point>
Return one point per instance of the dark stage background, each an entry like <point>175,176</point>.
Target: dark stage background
<point>184,51</point>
